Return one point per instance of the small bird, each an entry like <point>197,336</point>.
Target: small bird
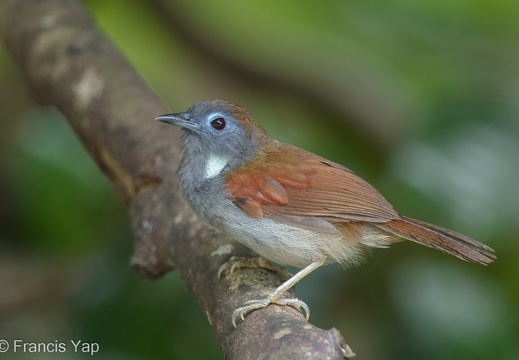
<point>290,206</point>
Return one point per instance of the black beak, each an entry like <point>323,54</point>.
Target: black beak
<point>184,120</point>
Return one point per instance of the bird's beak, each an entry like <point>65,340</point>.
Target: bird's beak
<point>184,120</point>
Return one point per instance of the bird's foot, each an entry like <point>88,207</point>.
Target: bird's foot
<point>252,305</point>
<point>239,262</point>
<point>274,297</point>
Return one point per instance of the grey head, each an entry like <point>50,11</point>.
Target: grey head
<point>218,136</point>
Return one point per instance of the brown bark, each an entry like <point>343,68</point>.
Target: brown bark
<point>68,63</point>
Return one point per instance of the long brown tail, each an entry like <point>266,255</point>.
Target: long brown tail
<point>437,237</point>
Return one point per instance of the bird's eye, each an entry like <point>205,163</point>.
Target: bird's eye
<point>218,123</point>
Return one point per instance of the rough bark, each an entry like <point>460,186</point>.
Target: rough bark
<point>68,63</point>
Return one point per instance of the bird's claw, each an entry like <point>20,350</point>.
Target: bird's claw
<point>252,305</point>
<point>229,266</point>
<point>238,262</point>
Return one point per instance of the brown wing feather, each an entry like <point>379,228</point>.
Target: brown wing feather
<point>299,184</point>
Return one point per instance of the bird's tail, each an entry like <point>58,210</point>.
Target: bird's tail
<point>437,237</point>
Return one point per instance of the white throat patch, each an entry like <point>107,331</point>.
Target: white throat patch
<point>214,166</point>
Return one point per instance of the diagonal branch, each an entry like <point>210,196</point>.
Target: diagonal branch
<point>68,63</point>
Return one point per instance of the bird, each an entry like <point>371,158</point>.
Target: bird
<point>290,206</point>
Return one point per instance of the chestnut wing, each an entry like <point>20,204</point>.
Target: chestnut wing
<point>298,184</point>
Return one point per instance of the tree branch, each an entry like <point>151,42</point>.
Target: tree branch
<point>68,63</point>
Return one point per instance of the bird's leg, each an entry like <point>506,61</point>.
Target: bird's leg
<point>239,262</point>
<point>274,297</point>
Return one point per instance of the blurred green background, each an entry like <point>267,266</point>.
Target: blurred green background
<point>419,98</point>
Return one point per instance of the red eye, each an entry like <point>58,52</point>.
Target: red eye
<point>218,123</point>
